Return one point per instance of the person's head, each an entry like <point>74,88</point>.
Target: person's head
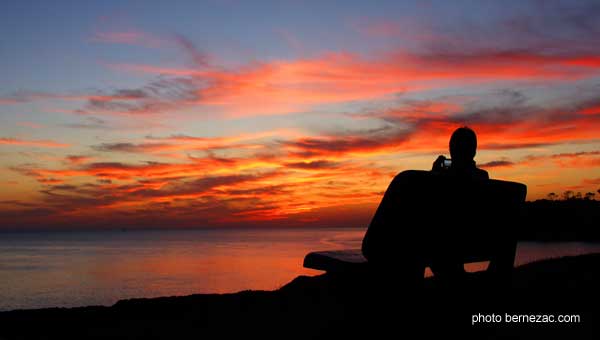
<point>463,145</point>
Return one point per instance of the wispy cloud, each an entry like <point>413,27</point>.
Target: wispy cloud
<point>89,123</point>
<point>8,101</point>
<point>539,26</point>
<point>30,125</point>
<point>583,159</point>
<point>158,96</point>
<point>130,37</point>
<point>78,159</point>
<point>179,142</point>
<point>313,165</point>
<point>497,164</point>
<point>579,160</point>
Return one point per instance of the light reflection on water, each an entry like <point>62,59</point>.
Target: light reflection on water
<point>99,268</point>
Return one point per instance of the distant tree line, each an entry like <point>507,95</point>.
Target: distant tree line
<point>570,216</point>
<point>570,195</point>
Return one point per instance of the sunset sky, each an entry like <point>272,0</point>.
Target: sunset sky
<point>282,113</point>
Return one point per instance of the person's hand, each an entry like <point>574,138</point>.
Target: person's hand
<point>438,163</point>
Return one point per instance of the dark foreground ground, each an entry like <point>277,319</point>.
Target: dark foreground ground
<point>332,307</point>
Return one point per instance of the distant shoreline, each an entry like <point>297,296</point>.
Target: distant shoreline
<point>542,221</point>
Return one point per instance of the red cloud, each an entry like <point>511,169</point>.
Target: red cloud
<point>591,110</point>
<point>585,61</point>
<point>427,127</point>
<point>291,86</point>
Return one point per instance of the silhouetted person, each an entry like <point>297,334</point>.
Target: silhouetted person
<point>425,213</point>
<point>463,147</point>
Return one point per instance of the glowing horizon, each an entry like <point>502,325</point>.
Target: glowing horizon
<point>280,114</point>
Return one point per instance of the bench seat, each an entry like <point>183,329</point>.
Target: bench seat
<point>352,260</point>
<point>345,260</point>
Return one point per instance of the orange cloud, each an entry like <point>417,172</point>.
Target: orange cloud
<point>198,191</point>
<point>39,143</point>
<point>591,181</point>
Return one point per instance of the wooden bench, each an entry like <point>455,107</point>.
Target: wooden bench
<point>345,260</point>
<point>431,218</point>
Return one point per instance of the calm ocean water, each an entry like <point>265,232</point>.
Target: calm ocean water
<point>99,268</point>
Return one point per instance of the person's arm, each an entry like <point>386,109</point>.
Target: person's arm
<point>438,163</point>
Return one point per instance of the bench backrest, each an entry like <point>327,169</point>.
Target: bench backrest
<point>426,215</point>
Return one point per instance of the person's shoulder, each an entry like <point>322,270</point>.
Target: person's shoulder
<point>480,173</point>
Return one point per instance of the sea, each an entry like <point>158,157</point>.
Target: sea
<point>83,268</point>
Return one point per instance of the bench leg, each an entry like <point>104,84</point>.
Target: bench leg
<point>398,276</point>
<point>501,265</point>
